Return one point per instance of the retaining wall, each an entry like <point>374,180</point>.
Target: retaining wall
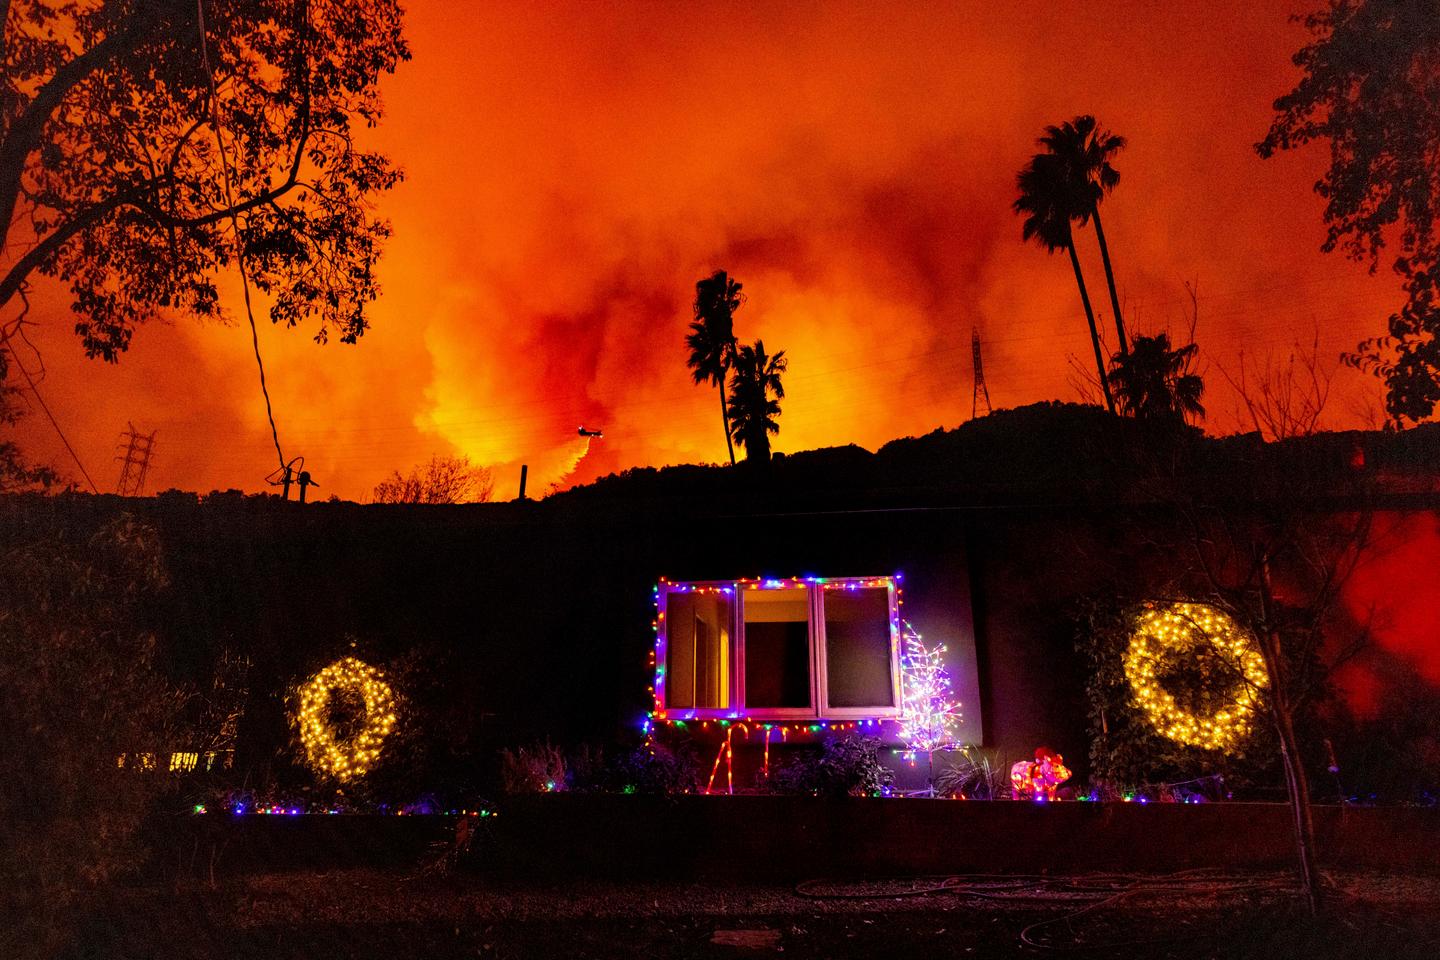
<point>767,838</point>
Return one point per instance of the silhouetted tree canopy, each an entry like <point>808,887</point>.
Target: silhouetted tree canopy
<point>15,472</point>
<point>111,179</point>
<point>1154,380</point>
<point>1048,202</point>
<point>711,339</point>
<point>1371,88</point>
<point>757,392</point>
<point>1084,151</point>
<point>442,480</point>
<point>80,686</point>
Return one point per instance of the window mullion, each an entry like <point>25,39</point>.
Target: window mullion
<point>738,629</point>
<point>818,696</point>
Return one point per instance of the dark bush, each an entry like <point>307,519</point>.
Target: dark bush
<point>79,691</point>
<point>843,766</point>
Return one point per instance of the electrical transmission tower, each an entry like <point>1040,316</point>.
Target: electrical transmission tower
<point>980,388</point>
<point>135,462</point>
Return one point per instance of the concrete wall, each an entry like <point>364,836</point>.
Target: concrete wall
<point>795,838</point>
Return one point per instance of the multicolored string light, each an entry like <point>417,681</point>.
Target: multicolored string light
<point>925,723</point>
<point>1192,630</point>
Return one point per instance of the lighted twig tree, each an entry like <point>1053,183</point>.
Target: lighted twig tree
<point>929,710</point>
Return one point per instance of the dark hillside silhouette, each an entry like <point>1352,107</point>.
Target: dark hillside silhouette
<point>1044,453</point>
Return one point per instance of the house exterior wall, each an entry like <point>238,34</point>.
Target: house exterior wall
<point>507,623</point>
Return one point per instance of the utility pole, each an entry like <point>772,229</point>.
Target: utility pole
<point>135,462</point>
<point>290,474</point>
<point>979,369</point>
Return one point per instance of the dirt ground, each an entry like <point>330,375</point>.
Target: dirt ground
<point>395,915</point>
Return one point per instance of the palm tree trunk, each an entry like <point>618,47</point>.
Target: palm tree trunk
<point>1110,280</point>
<point>725,419</point>
<point>1094,333</point>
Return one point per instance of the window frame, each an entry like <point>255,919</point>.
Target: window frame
<point>819,708</point>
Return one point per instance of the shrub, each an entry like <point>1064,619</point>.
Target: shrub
<point>658,769</point>
<point>538,768</point>
<point>843,766</point>
<point>653,768</point>
<point>973,774</point>
<point>79,689</point>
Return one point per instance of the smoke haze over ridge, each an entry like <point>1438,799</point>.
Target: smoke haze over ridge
<point>573,169</point>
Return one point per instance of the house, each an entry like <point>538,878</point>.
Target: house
<point>782,602</point>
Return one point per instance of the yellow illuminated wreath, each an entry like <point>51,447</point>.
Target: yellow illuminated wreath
<point>1191,629</point>
<point>351,757</point>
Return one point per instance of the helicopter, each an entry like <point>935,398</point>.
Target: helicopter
<point>597,434</point>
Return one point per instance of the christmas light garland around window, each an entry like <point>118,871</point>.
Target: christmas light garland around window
<point>1190,630</point>
<point>355,755</point>
<point>928,712</point>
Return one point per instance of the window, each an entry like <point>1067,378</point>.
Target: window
<point>777,649</point>
<point>857,648</point>
<point>781,649</point>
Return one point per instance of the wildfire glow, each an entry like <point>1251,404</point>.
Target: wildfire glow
<point>573,170</point>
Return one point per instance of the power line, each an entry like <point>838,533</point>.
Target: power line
<point>53,422</point>
<point>235,225</point>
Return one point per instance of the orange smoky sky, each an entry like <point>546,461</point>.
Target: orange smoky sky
<point>573,169</point>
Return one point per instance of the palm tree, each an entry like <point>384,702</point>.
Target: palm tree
<point>1085,150</point>
<point>712,338</point>
<point>756,391</point>
<point>1046,203</point>
<point>1154,382</point>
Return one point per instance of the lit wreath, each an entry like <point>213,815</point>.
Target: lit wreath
<point>1187,628</point>
<point>353,757</point>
